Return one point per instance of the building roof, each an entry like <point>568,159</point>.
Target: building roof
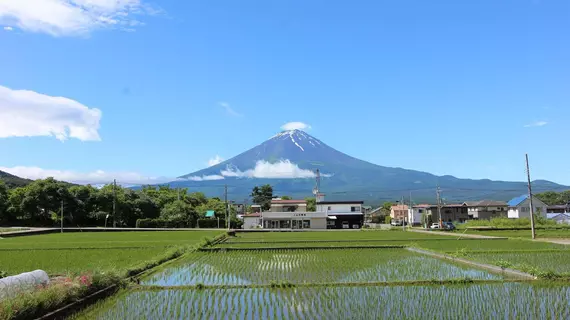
<point>485,203</point>
<point>288,201</point>
<point>210,213</point>
<point>518,200</point>
<point>251,215</point>
<point>559,206</point>
<point>341,202</point>
<point>556,215</point>
<point>400,207</point>
<point>423,205</point>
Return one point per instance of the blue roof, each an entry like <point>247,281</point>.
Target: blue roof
<point>518,200</point>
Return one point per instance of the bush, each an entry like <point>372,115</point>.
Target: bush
<point>211,223</point>
<point>521,223</point>
<point>162,223</point>
<point>387,220</point>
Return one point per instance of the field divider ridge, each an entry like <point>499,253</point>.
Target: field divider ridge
<point>330,284</point>
<point>358,240</point>
<point>217,249</point>
<point>480,265</point>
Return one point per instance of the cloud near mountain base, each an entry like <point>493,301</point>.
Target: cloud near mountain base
<point>283,169</point>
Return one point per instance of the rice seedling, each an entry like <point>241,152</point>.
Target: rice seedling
<point>535,262</point>
<point>309,266</point>
<point>488,301</point>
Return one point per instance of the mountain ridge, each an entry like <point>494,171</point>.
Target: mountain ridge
<point>289,159</point>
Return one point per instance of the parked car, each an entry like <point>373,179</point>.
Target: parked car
<point>448,226</point>
<point>434,226</point>
<point>345,225</point>
<point>395,223</point>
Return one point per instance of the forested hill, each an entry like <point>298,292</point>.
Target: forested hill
<point>13,181</point>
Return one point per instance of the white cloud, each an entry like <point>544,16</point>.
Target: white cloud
<point>284,169</point>
<point>215,160</point>
<point>72,17</point>
<point>94,177</point>
<point>8,29</point>
<point>204,178</point>
<point>295,126</point>
<point>27,113</point>
<point>536,124</point>
<point>230,110</point>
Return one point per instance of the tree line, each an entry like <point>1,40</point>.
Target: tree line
<point>552,198</point>
<point>39,203</point>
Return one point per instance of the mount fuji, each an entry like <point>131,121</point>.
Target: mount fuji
<point>289,160</point>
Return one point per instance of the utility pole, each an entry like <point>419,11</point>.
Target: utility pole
<point>61,215</point>
<point>227,206</point>
<point>114,202</point>
<point>411,211</point>
<point>439,206</point>
<point>403,216</point>
<point>530,197</point>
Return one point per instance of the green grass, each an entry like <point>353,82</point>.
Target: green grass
<point>142,239</point>
<point>82,252</point>
<point>74,261</point>
<point>556,262</point>
<point>522,233</point>
<point>486,245</point>
<point>310,266</point>
<point>332,235</point>
<point>11,229</point>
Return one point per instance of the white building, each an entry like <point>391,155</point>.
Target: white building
<point>341,214</point>
<point>286,214</point>
<point>415,213</point>
<point>519,207</point>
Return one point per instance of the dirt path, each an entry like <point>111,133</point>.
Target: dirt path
<point>557,241</point>
<point>457,235</point>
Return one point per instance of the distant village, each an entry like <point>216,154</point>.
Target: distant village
<point>293,214</point>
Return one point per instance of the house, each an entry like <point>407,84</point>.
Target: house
<point>415,213</point>
<point>342,214</point>
<point>399,212</point>
<point>519,207</point>
<point>286,214</point>
<point>278,205</point>
<point>449,212</point>
<point>486,209</point>
<point>564,208</point>
<point>559,217</point>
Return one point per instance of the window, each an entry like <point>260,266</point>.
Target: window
<point>329,208</point>
<point>421,211</point>
<point>306,224</point>
<point>331,223</point>
<point>355,209</point>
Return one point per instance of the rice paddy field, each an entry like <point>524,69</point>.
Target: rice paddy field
<point>526,234</point>
<point>349,275</point>
<point>63,253</point>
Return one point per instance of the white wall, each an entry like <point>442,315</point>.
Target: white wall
<point>338,208</point>
<point>414,215</point>
<point>251,222</point>
<point>318,223</point>
<point>523,209</point>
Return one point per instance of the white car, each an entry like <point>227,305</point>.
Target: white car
<point>434,226</point>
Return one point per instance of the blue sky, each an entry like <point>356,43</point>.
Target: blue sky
<point>157,89</point>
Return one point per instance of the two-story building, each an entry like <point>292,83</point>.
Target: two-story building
<point>486,209</point>
<point>286,214</point>
<point>415,213</point>
<point>449,213</point>
<point>399,212</point>
<point>519,207</point>
<point>342,214</point>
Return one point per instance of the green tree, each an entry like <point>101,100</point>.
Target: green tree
<point>285,198</point>
<point>311,204</point>
<point>3,201</point>
<point>386,208</point>
<point>178,210</point>
<point>262,196</point>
